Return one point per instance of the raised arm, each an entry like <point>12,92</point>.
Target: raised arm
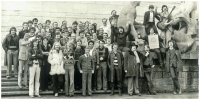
<point>128,31</point>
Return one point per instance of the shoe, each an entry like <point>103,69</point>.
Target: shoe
<point>153,93</point>
<point>47,90</point>
<point>20,87</point>
<point>180,92</point>
<point>148,93</point>
<point>26,87</point>
<point>16,76</point>
<point>174,92</point>
<point>71,95</point>
<point>39,96</point>
<point>105,90</point>
<point>112,92</point>
<point>139,94</point>
<point>130,94</point>
<point>7,77</point>
<point>31,96</point>
<point>84,95</point>
<point>56,94</point>
<point>89,94</point>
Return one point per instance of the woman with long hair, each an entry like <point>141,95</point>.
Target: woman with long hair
<point>56,60</point>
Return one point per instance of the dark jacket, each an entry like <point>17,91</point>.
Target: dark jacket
<point>147,16</point>
<point>79,52</point>
<point>7,41</point>
<point>150,57</point>
<point>179,63</point>
<point>22,32</point>
<point>38,56</point>
<point>45,57</point>
<point>111,58</point>
<point>130,64</point>
<point>120,38</point>
<point>103,53</point>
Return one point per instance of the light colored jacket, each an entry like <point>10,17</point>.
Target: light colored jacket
<point>23,50</point>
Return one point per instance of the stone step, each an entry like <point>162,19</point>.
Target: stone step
<point>4,79</point>
<point>12,88</point>
<point>8,84</point>
<point>9,93</point>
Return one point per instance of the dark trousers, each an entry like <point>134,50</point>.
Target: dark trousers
<point>102,76</point>
<point>77,77</point>
<point>86,82</point>
<point>148,72</point>
<point>174,75</point>
<point>94,78</point>
<point>158,52</point>
<point>148,26</point>
<point>57,82</point>
<point>116,75</point>
<point>44,77</point>
<point>12,57</point>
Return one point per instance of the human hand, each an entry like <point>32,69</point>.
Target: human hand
<point>147,53</point>
<point>101,58</point>
<point>92,71</point>
<point>81,71</point>
<point>97,66</point>
<point>135,52</point>
<point>152,66</point>
<point>125,71</point>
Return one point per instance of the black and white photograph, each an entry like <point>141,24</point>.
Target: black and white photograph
<point>99,49</point>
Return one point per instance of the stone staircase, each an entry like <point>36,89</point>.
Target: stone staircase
<point>9,87</point>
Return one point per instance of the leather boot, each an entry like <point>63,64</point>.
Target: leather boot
<point>112,91</point>
<point>120,93</point>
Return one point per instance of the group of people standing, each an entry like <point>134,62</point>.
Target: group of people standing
<point>82,57</point>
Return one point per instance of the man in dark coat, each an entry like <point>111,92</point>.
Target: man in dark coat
<point>149,19</point>
<point>174,65</point>
<point>131,67</point>
<point>115,62</point>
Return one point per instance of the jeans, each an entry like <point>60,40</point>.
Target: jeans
<point>34,75</point>
<point>23,64</point>
<point>117,75</point>
<point>174,75</point>
<point>148,74</point>
<point>86,79</point>
<point>12,56</point>
<point>69,79</point>
<point>102,70</point>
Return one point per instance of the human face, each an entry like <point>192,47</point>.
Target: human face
<point>91,45</point>
<point>146,48</point>
<point>35,22</point>
<point>171,44</point>
<point>30,24</point>
<point>121,30</point>
<point>80,25</point>
<point>115,47</point>
<point>57,46</point>
<point>105,36</point>
<point>108,41</point>
<point>74,26</point>
<point>104,22</point>
<point>57,31</point>
<point>13,31</point>
<point>101,31</point>
<point>69,29</point>
<point>45,41</point>
<point>94,36</point>
<point>35,43</point>
<point>87,51</point>
<point>32,31</point>
<point>79,43</point>
<point>151,9</point>
<point>101,44</point>
<point>64,22</point>
<point>42,30</point>
<point>91,27</point>
<point>39,39</point>
<point>114,13</point>
<point>164,9</point>
<point>139,36</point>
<point>69,46</point>
<point>39,26</point>
<point>26,36</point>
<point>65,35</point>
<point>57,37</point>
<point>48,35</point>
<point>55,25</point>
<point>48,23</point>
<point>25,26</point>
<point>133,48</point>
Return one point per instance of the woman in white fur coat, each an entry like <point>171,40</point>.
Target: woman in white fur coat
<point>56,60</point>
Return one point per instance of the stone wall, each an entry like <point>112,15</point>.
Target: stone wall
<point>16,12</point>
